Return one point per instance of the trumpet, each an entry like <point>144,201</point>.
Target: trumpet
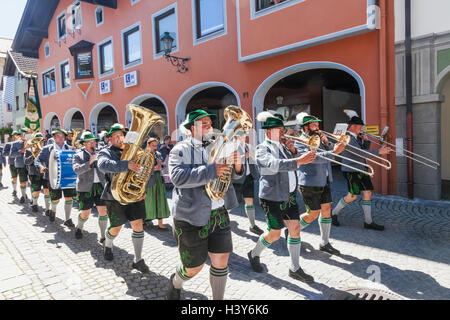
<point>313,144</point>
<point>345,139</point>
<point>377,139</point>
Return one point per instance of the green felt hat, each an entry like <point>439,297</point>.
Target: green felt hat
<point>59,131</point>
<point>197,115</point>
<point>114,128</point>
<point>303,119</point>
<point>270,120</point>
<point>88,136</point>
<point>15,133</point>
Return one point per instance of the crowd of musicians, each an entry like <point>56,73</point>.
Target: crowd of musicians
<point>201,225</point>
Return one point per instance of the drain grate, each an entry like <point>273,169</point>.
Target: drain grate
<point>365,294</point>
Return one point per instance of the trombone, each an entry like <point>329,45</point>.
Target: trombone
<point>377,139</point>
<point>345,139</point>
<point>313,144</point>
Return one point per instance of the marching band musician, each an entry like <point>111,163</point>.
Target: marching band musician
<point>18,153</point>
<point>69,136</point>
<point>12,168</point>
<point>201,225</point>
<point>36,178</point>
<point>277,163</point>
<point>3,164</point>
<point>109,162</point>
<point>42,162</point>
<point>357,182</point>
<point>314,181</point>
<point>90,182</point>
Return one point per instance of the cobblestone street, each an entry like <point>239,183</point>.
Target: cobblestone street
<point>43,260</point>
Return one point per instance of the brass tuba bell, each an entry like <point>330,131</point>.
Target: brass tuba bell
<point>127,187</point>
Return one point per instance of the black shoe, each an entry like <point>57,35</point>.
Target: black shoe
<point>52,216</point>
<point>141,266</point>
<point>47,213</point>
<point>173,293</point>
<point>102,240</point>
<point>334,221</point>
<point>78,234</point>
<point>107,254</point>
<point>1,185</point>
<point>256,230</point>
<point>254,262</point>
<point>69,223</point>
<point>373,226</point>
<point>14,194</point>
<point>286,234</point>
<point>22,200</point>
<point>329,249</point>
<point>34,208</point>
<point>301,275</point>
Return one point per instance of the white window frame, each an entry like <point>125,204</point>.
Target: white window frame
<point>133,2</point>
<point>81,16</point>
<point>43,86</point>
<point>47,45</point>
<point>154,16</point>
<point>103,16</point>
<point>57,25</point>
<point>213,35</point>
<point>61,75</point>
<point>108,73</point>
<point>136,63</point>
<point>257,14</point>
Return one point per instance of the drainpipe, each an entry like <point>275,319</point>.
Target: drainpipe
<point>409,111</point>
<point>383,82</point>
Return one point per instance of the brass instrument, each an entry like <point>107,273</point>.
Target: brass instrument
<point>313,144</point>
<point>345,139</point>
<point>76,144</point>
<point>128,187</point>
<point>237,120</point>
<point>34,143</point>
<point>380,141</point>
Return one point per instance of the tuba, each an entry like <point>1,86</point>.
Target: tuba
<point>34,144</point>
<point>127,187</point>
<point>237,120</point>
<point>76,143</point>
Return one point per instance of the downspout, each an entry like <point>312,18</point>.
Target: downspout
<point>383,83</point>
<point>409,111</point>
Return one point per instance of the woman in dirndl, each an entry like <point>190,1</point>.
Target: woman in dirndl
<point>156,205</point>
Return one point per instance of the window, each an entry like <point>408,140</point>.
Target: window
<point>17,102</point>
<point>134,1</point>
<point>65,75</point>
<point>106,58</point>
<point>83,65</point>
<point>25,100</point>
<point>47,49</point>
<point>209,16</point>
<point>165,22</point>
<point>131,40</point>
<point>263,4</point>
<point>49,82</point>
<point>99,16</point>
<point>76,16</point>
<point>61,25</point>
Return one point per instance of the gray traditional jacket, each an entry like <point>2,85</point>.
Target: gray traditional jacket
<point>248,165</point>
<point>2,157</point>
<point>6,150</point>
<point>359,144</point>
<point>274,166</point>
<point>42,160</point>
<point>19,157</point>
<point>85,171</point>
<point>189,173</point>
<point>29,162</point>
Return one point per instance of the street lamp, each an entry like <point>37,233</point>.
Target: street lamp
<point>178,62</point>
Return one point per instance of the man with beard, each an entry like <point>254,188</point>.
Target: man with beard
<point>109,161</point>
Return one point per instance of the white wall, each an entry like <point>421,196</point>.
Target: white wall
<point>427,17</point>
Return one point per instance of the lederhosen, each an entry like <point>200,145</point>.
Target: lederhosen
<point>356,181</point>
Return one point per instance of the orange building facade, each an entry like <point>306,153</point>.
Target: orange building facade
<point>321,56</point>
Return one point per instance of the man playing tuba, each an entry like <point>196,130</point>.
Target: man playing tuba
<point>201,225</point>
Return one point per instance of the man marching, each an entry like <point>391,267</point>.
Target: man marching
<point>35,176</point>
<point>42,162</point>
<point>314,181</point>
<point>6,151</point>
<point>277,192</point>
<point>110,164</point>
<point>18,153</point>
<point>201,225</point>
<point>90,182</point>
<point>358,182</point>
<point>3,164</point>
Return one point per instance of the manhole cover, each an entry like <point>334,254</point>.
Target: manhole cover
<point>365,294</point>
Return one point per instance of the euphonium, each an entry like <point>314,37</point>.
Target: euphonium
<point>237,120</point>
<point>128,187</point>
<point>34,144</point>
<point>76,144</point>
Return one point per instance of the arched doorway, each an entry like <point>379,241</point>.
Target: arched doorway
<point>157,105</point>
<point>102,117</point>
<point>51,122</point>
<point>211,96</point>
<point>74,119</point>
